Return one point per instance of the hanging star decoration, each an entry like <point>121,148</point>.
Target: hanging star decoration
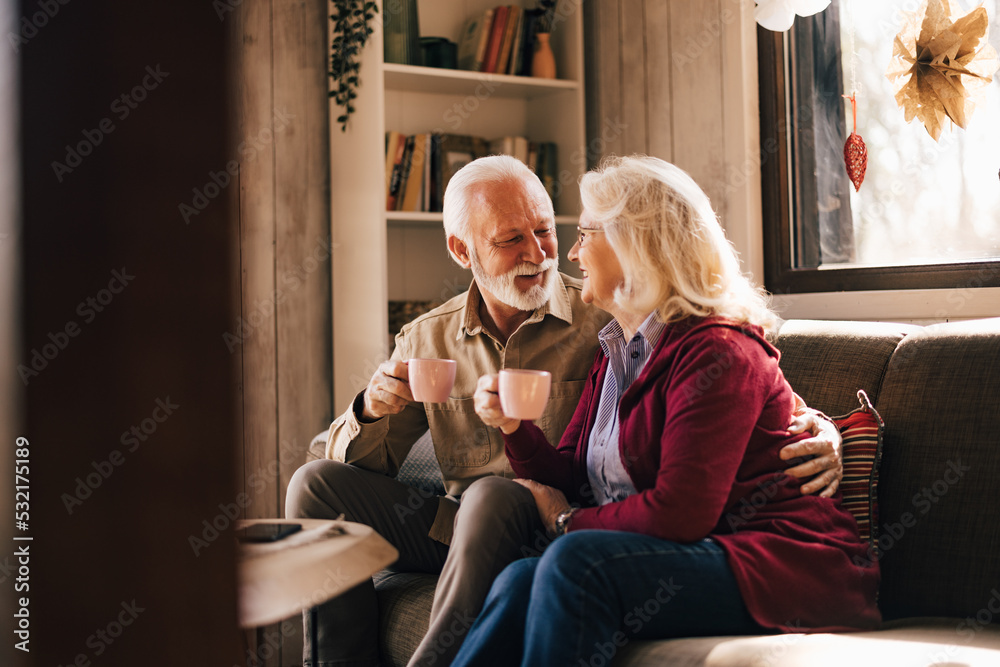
<point>778,15</point>
<point>941,65</point>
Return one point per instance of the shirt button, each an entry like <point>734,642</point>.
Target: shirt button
<point>635,354</point>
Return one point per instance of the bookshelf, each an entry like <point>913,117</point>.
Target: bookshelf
<point>384,255</point>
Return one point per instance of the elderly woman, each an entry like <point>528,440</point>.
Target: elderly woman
<point>671,520</point>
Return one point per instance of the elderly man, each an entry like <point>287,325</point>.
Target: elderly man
<point>520,312</point>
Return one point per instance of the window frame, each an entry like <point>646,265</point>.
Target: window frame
<point>781,276</point>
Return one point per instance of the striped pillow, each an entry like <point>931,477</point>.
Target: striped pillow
<point>862,430</point>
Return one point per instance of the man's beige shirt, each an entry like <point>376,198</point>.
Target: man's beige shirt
<point>560,337</point>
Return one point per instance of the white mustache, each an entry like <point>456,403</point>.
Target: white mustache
<point>530,269</point>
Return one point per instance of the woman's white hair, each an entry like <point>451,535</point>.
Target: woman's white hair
<point>675,256</point>
<point>459,195</point>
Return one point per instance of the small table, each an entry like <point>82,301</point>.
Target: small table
<point>279,579</point>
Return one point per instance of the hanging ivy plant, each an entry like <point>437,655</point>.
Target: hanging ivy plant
<point>351,29</point>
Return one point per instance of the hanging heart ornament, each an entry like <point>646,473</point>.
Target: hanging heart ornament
<point>855,151</point>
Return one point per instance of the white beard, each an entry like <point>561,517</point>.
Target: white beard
<point>505,291</point>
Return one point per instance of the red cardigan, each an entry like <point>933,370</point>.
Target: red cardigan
<point>700,432</point>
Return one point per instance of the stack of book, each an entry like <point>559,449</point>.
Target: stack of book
<point>419,166</point>
<point>540,156</point>
<point>500,41</point>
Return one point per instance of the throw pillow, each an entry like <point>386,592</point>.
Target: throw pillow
<point>862,430</point>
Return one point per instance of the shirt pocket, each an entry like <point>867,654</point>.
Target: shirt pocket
<point>563,400</point>
<point>464,441</point>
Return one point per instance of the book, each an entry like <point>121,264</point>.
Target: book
<point>468,43</point>
<point>521,149</point>
<point>515,48</point>
<point>456,151</point>
<point>502,146</point>
<point>425,199</point>
<point>548,168</point>
<point>528,29</point>
<point>415,177</point>
<point>513,14</point>
<point>484,39</point>
<point>404,172</point>
<point>436,190</point>
<point>496,39</point>
<point>513,146</point>
<point>397,174</point>
<point>392,141</point>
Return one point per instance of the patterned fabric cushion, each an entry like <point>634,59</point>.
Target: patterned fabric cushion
<point>421,469</point>
<point>862,430</point>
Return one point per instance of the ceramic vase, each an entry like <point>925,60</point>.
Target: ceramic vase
<point>543,62</point>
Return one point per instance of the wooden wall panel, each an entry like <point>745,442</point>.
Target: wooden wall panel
<point>631,36</point>
<point>302,215</point>
<point>255,333</point>
<point>254,116</point>
<point>741,110</point>
<point>658,68</point>
<point>284,339</point>
<point>696,49</point>
<point>302,253</point>
<point>603,81</point>
<point>685,70</point>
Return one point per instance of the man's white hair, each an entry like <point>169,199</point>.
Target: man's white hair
<point>459,196</point>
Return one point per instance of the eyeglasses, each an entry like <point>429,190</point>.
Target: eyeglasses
<point>582,234</point>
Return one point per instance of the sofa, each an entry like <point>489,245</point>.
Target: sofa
<point>937,389</point>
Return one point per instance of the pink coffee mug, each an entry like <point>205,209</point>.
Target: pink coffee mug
<point>524,393</point>
<point>431,380</point>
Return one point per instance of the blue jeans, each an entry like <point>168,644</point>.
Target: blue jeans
<point>593,591</point>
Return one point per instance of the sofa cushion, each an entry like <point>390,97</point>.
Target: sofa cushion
<point>862,430</point>
<point>317,447</point>
<point>827,362</point>
<point>940,522</point>
<point>404,604</point>
<point>914,643</point>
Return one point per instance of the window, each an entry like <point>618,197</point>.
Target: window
<point>927,214</point>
